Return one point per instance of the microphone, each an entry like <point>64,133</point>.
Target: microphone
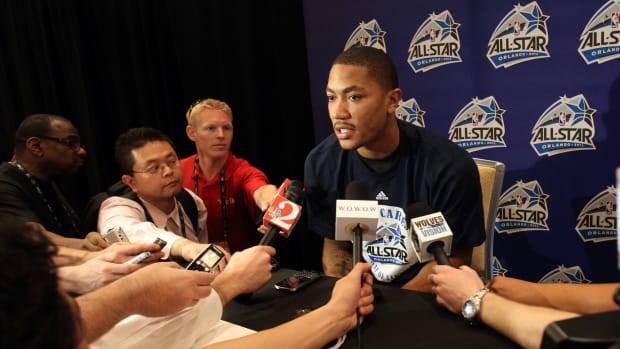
<point>430,234</point>
<point>356,217</point>
<point>284,211</point>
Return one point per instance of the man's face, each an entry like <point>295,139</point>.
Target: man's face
<point>157,174</point>
<point>212,130</point>
<point>359,107</point>
<point>61,148</point>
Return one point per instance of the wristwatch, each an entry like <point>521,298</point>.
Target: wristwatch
<point>471,307</point>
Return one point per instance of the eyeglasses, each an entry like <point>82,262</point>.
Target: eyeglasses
<point>159,168</point>
<point>71,141</point>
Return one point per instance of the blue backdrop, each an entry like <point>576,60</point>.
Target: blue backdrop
<point>534,85</point>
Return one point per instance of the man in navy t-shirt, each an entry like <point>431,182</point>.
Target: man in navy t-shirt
<point>400,163</point>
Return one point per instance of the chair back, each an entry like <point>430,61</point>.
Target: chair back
<point>491,179</point>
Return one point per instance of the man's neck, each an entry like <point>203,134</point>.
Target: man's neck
<point>165,205</point>
<point>210,167</point>
<point>384,145</point>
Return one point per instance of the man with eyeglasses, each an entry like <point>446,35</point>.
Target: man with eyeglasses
<point>46,147</point>
<point>151,168</point>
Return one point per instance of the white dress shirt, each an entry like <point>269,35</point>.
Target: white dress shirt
<point>117,211</point>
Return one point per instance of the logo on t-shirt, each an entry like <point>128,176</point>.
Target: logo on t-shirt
<point>562,274</point>
<point>382,196</point>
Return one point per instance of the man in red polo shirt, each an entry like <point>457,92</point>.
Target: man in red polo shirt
<point>231,188</point>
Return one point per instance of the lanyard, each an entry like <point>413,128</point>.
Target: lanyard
<point>181,219</point>
<point>39,191</point>
<point>223,196</point>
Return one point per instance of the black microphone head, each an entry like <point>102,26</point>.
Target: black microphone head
<point>356,190</point>
<point>418,209</point>
<point>295,191</point>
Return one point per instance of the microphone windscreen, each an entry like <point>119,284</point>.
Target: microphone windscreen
<point>295,191</point>
<point>356,190</point>
<point>418,209</point>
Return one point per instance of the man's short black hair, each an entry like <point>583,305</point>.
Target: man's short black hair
<point>135,138</point>
<point>380,66</point>
<point>35,125</point>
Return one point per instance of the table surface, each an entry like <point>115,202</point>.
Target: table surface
<point>401,318</point>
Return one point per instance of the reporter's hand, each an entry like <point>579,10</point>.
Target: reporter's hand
<point>94,242</point>
<point>453,286</point>
<point>164,288</point>
<point>350,294</point>
<point>246,271</point>
<point>105,267</point>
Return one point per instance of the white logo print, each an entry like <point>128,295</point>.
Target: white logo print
<point>436,43</point>
<point>567,125</point>
<point>600,39</point>
<point>367,34</point>
<point>382,196</point>
<point>411,112</point>
<point>520,36</point>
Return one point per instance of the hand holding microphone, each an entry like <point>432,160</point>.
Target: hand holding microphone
<point>430,234</point>
<point>284,211</point>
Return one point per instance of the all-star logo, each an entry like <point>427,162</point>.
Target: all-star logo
<point>479,125</point>
<point>519,37</point>
<point>411,112</point>
<point>522,207</point>
<point>567,125</point>
<point>597,220</point>
<point>497,269</point>
<point>562,274</point>
<point>435,43</point>
<point>600,40</point>
<point>367,34</point>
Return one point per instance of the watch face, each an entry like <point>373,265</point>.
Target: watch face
<point>469,309</point>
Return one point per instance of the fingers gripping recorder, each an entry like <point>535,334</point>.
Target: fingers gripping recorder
<point>284,212</point>
<point>430,233</point>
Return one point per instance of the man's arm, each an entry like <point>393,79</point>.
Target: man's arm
<point>158,289</point>
<point>524,324</point>
<point>577,298</point>
<point>337,257</point>
<point>264,195</point>
<point>320,326</point>
<point>420,282</point>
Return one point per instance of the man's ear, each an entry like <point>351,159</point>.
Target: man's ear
<point>130,181</point>
<point>394,96</point>
<point>191,133</point>
<point>33,145</point>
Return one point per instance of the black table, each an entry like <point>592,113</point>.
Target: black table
<point>402,318</point>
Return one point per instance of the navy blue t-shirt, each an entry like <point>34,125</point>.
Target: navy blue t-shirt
<point>428,168</point>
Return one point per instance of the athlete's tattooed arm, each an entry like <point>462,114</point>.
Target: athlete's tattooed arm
<point>337,257</point>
